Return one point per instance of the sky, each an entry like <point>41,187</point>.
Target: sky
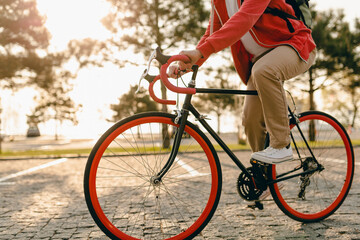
<point>95,88</point>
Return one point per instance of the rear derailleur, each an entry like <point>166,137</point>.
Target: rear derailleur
<point>309,164</point>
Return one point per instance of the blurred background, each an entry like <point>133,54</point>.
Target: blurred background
<point>69,69</point>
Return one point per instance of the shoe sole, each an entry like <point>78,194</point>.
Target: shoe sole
<point>266,160</point>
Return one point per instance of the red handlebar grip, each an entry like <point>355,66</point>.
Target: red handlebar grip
<point>165,80</point>
<point>156,99</point>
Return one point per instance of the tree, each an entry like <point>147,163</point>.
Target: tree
<point>350,82</point>
<point>131,103</point>
<point>327,33</point>
<point>137,25</point>
<point>347,106</point>
<point>55,104</point>
<point>23,39</point>
<point>25,60</point>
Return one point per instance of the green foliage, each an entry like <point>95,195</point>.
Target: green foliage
<point>25,60</point>
<point>22,37</point>
<point>344,98</point>
<point>87,51</point>
<point>336,55</point>
<point>335,42</point>
<point>54,103</point>
<point>138,24</point>
<point>131,103</point>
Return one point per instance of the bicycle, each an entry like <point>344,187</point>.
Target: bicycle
<point>139,183</point>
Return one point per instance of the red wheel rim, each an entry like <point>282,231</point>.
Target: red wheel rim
<point>344,189</point>
<point>93,171</point>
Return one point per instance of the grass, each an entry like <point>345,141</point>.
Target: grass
<point>33,153</point>
<point>84,152</point>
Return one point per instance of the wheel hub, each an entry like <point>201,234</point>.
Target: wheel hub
<point>155,181</point>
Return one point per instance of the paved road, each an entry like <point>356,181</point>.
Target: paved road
<point>43,199</point>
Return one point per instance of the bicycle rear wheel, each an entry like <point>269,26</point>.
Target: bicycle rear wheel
<point>316,196</point>
<point>120,192</point>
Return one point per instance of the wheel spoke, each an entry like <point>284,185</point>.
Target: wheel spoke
<point>122,186</point>
<point>332,149</point>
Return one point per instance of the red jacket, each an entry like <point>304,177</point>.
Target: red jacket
<point>267,30</point>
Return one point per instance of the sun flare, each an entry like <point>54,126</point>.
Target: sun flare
<point>69,19</point>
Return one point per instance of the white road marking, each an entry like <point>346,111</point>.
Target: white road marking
<point>337,160</point>
<point>6,183</point>
<point>192,172</point>
<point>49,164</point>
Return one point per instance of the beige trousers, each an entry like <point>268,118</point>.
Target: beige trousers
<point>268,112</point>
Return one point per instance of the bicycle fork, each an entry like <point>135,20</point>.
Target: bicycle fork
<point>181,120</point>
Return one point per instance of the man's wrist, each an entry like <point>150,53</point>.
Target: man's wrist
<point>206,49</point>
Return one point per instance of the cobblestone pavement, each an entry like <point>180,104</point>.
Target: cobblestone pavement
<point>47,202</point>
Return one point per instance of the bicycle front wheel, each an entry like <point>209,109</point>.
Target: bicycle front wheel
<point>315,196</point>
<point>120,192</point>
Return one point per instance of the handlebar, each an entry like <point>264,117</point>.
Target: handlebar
<point>153,96</point>
<point>165,61</point>
<point>165,79</point>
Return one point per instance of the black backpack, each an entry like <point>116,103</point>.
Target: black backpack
<point>301,9</point>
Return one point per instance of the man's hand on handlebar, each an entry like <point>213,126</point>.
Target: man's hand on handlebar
<point>181,67</point>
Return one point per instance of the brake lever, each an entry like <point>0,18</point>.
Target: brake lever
<point>146,71</point>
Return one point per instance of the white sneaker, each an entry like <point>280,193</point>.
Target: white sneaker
<point>272,155</point>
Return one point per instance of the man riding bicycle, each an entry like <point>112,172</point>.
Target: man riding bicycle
<point>267,50</point>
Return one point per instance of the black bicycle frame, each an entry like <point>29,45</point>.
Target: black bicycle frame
<point>188,107</point>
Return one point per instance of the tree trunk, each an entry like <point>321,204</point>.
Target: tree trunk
<point>218,122</point>
<point>355,107</point>
<point>165,130</point>
<point>56,123</point>
<point>312,106</point>
<point>354,117</point>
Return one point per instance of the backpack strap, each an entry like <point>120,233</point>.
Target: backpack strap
<point>295,5</point>
<point>283,15</point>
<point>301,9</point>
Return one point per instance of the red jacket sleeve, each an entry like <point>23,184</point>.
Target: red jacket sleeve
<point>236,27</point>
<point>217,26</point>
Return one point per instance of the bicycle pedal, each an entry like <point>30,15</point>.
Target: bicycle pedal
<point>253,161</point>
<point>257,204</point>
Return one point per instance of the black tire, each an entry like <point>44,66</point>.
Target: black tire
<point>327,189</point>
<point>119,191</point>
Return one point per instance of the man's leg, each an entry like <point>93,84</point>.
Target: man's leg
<point>268,74</point>
<point>253,120</point>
